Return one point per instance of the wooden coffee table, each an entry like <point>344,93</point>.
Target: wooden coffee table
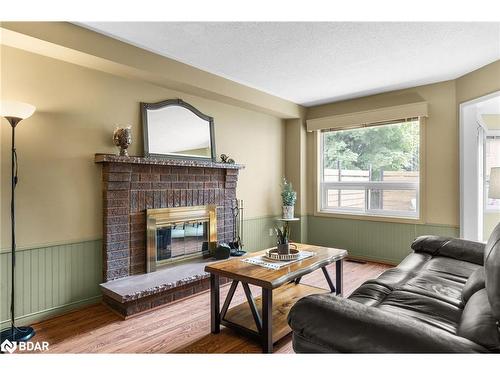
<point>280,290</point>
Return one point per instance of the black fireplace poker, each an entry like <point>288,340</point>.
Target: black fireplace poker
<point>237,244</point>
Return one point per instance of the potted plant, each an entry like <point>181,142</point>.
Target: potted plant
<point>288,197</point>
<point>283,244</point>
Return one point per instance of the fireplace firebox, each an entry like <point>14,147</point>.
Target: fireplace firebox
<point>179,233</point>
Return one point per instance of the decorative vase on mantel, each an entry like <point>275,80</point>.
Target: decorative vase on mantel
<point>288,196</point>
<point>122,137</point>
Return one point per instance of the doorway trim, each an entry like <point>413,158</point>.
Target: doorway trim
<point>471,226</point>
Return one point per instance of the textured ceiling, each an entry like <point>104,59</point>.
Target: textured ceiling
<point>314,63</point>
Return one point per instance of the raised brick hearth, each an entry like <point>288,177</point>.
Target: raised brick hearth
<point>134,294</point>
<point>133,184</point>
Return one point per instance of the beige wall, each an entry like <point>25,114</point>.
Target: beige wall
<point>58,196</point>
<point>479,82</point>
<point>441,146</point>
<point>295,166</point>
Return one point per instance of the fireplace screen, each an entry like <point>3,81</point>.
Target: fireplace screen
<point>181,239</point>
<point>179,233</point>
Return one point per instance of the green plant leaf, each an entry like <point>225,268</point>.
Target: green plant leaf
<point>288,195</point>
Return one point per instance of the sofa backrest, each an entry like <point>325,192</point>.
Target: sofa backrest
<point>492,271</point>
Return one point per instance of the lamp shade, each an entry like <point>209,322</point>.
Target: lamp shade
<point>494,190</point>
<point>16,109</point>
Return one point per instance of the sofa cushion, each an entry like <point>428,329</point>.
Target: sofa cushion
<point>477,322</point>
<point>436,285</point>
<point>414,261</point>
<point>393,278</point>
<point>370,294</point>
<point>474,283</point>
<point>439,277</point>
<point>451,268</point>
<point>432,311</point>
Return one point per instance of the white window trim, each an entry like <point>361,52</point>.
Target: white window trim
<point>378,215</point>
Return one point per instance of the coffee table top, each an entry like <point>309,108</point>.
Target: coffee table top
<point>235,269</point>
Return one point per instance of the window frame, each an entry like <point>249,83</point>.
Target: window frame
<point>371,215</point>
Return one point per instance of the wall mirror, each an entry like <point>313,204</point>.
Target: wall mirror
<point>175,129</point>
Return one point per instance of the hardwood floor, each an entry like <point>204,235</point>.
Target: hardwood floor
<point>182,327</point>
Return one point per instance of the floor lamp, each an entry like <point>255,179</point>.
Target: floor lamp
<point>14,112</point>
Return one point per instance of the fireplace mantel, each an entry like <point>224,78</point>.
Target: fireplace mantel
<point>110,158</point>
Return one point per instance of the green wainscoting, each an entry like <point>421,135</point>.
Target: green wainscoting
<point>53,279</point>
<point>371,240</point>
<point>50,280</point>
<point>256,233</point>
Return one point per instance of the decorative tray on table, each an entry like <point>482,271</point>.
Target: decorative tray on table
<point>274,255</point>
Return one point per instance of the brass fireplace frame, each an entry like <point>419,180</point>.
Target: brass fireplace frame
<point>158,217</point>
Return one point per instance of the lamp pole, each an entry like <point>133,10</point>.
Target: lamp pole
<point>21,111</point>
<point>13,176</point>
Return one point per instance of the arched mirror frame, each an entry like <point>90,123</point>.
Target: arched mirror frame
<point>180,103</point>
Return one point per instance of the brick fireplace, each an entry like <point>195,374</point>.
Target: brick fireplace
<point>132,185</point>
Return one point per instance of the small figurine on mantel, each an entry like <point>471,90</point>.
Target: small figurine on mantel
<point>122,137</point>
<point>226,159</point>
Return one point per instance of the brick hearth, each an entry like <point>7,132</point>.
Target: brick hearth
<point>133,184</point>
<point>134,294</point>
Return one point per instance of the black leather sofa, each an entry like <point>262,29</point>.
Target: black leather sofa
<point>443,298</point>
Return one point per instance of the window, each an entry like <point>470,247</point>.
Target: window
<point>373,170</point>
<point>491,159</point>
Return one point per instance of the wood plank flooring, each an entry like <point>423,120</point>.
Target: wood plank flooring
<point>182,327</point>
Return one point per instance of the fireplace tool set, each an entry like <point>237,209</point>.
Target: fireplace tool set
<point>235,247</point>
<point>237,244</point>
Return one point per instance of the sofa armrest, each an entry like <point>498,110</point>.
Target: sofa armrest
<point>342,325</point>
<point>450,247</point>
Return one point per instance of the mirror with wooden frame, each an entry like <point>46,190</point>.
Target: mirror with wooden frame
<point>175,129</point>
